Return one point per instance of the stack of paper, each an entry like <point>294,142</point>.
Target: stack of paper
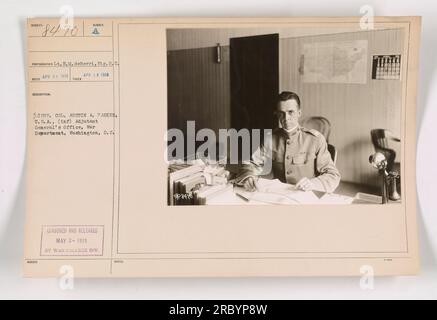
<point>175,178</point>
<point>330,198</point>
<point>207,193</point>
<point>194,184</point>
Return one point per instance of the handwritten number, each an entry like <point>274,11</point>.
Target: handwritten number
<point>53,31</point>
<point>44,33</point>
<point>74,31</point>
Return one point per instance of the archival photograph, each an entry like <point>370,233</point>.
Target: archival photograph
<point>223,147</point>
<point>292,115</point>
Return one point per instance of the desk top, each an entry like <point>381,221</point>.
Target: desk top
<point>276,192</point>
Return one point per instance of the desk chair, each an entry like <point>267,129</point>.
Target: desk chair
<point>320,124</point>
<point>380,140</point>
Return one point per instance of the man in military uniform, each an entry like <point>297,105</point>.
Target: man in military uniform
<point>299,156</point>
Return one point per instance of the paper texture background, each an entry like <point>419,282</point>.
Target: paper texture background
<point>108,192</point>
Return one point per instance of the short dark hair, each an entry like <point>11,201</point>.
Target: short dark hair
<point>288,95</point>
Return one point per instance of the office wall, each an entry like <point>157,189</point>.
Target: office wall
<point>352,109</point>
<point>178,39</point>
<point>199,90</point>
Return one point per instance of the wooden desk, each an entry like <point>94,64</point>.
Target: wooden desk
<point>351,189</point>
<point>345,192</point>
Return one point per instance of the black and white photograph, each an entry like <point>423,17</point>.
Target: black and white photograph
<point>287,115</point>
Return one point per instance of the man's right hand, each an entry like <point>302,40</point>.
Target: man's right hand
<point>250,184</point>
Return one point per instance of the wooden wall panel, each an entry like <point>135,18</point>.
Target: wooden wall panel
<point>198,88</point>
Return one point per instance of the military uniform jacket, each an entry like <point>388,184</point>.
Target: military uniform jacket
<point>301,153</point>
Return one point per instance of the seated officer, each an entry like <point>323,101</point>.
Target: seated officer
<point>299,156</point>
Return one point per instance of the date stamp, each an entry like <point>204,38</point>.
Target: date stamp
<point>72,240</point>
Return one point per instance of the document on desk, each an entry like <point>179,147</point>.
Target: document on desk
<point>276,192</point>
<point>109,100</point>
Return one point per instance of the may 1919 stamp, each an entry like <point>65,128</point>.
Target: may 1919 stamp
<point>72,240</point>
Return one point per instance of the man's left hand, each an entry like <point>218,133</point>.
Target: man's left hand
<point>305,184</point>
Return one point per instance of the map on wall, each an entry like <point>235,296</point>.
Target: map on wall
<point>335,62</point>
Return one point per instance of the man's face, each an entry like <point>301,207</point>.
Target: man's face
<point>288,114</point>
